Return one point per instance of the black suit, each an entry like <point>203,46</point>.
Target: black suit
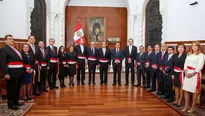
<point>117,56</point>
<point>132,57</point>
<point>44,62</point>
<point>92,56</point>
<point>168,69</point>
<point>52,54</point>
<point>8,56</point>
<point>154,72</point>
<point>148,70</point>
<point>161,77</point>
<point>81,63</point>
<point>36,83</point>
<point>104,61</point>
<point>140,59</point>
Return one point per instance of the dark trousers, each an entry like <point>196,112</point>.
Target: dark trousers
<point>127,67</point>
<point>160,80</point>
<point>36,85</point>
<point>91,70</point>
<point>43,74</point>
<point>141,74</point>
<point>103,72</point>
<point>170,92</point>
<point>13,89</point>
<point>81,71</point>
<point>117,71</point>
<point>154,78</point>
<point>52,75</point>
<point>148,77</point>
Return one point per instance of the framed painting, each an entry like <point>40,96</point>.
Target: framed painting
<point>96,29</point>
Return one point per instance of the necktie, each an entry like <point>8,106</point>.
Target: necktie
<point>117,51</point>
<point>149,53</point>
<point>53,50</point>
<point>162,55</point>
<point>93,51</point>
<point>17,52</point>
<point>33,48</point>
<point>130,49</point>
<point>43,54</point>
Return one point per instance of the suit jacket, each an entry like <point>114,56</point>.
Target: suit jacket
<point>9,55</point>
<point>107,55</point>
<point>115,55</point>
<point>168,68</point>
<point>148,59</point>
<point>154,60</point>
<point>128,55</point>
<point>141,60</point>
<point>45,59</point>
<point>162,61</point>
<point>79,52</point>
<point>30,61</point>
<point>36,51</point>
<point>90,53</point>
<point>52,54</point>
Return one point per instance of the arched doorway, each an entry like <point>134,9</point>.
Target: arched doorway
<point>153,23</point>
<point>38,20</point>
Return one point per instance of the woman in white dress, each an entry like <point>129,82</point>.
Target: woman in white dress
<point>193,65</point>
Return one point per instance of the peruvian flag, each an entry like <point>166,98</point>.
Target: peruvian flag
<point>79,34</point>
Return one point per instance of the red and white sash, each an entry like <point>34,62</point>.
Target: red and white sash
<point>166,67</point>
<point>64,61</point>
<point>147,63</point>
<point>53,60</point>
<point>117,59</point>
<point>129,59</point>
<point>43,63</point>
<point>198,86</point>
<point>181,76</point>
<point>28,66</point>
<point>81,57</point>
<point>138,63</point>
<point>103,60</point>
<point>15,64</point>
<point>71,62</point>
<point>91,58</point>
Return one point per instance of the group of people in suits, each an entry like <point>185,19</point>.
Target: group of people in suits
<point>172,75</point>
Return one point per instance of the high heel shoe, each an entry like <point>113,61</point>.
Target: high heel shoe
<point>191,111</point>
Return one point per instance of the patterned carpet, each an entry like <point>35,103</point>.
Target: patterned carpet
<point>200,111</point>
<point>4,111</point>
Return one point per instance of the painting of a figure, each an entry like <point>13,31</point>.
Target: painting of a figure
<point>96,29</point>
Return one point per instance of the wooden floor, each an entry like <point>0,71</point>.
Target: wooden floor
<point>96,100</point>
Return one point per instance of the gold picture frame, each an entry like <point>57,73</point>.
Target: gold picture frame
<point>96,29</point>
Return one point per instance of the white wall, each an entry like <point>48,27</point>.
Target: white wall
<point>99,3</point>
<point>14,18</point>
<point>185,22</point>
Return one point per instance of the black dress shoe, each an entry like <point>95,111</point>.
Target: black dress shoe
<point>56,87</point>
<point>152,90</point>
<point>37,94</point>
<point>13,107</point>
<point>93,83</point>
<point>83,83</point>
<point>29,98</point>
<point>78,83</point>
<point>105,83</point>
<point>170,100</point>
<point>19,104</point>
<point>164,97</point>
<point>137,85</point>
<point>159,93</point>
<point>119,84</point>
<point>101,83</point>
<point>114,84</point>
<point>126,84</point>
<point>147,87</point>
<point>194,3</point>
<point>45,90</point>
<point>89,83</point>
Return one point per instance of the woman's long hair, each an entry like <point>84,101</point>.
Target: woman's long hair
<point>199,48</point>
<point>59,50</point>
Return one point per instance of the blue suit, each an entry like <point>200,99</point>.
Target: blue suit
<point>117,66</point>
<point>148,70</point>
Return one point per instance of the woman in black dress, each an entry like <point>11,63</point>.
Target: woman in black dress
<point>62,56</point>
<point>178,63</point>
<point>72,59</point>
<point>29,66</point>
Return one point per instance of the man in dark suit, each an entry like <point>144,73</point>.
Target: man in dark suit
<point>130,53</point>
<point>161,77</point>
<point>147,65</point>
<point>168,70</point>
<point>140,61</point>
<point>117,57</point>
<point>81,51</point>
<point>52,54</point>
<point>104,59</point>
<point>44,64</point>
<point>92,56</point>
<point>12,68</point>
<point>154,63</point>
<point>34,49</point>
